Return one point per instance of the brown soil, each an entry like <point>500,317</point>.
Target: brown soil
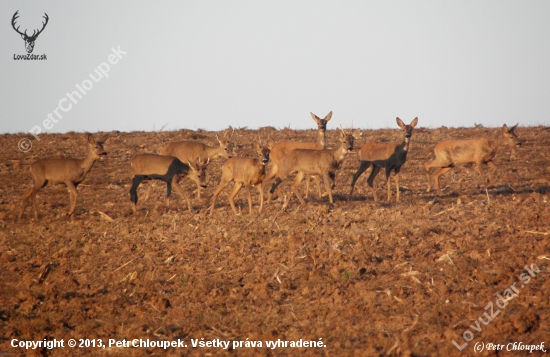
<point>368,279</point>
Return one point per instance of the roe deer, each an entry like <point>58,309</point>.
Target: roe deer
<point>387,156</point>
<point>193,151</point>
<point>451,153</point>
<point>71,172</point>
<point>244,171</point>
<point>168,169</point>
<point>315,162</point>
<point>280,151</point>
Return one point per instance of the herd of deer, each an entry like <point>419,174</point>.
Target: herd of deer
<point>190,159</point>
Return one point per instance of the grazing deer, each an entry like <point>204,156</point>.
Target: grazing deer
<point>280,151</point>
<point>71,172</point>
<point>315,162</point>
<point>384,155</point>
<point>168,169</point>
<point>193,151</point>
<point>244,171</point>
<point>451,153</point>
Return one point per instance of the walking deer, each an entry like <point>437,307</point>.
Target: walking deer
<point>70,172</point>
<point>387,156</point>
<point>451,153</point>
<point>192,151</point>
<point>245,172</point>
<point>315,162</point>
<point>280,151</point>
<point>168,169</point>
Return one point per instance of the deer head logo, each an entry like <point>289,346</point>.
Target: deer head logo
<point>29,40</point>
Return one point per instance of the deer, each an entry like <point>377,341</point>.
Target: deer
<point>68,171</point>
<point>451,153</point>
<point>244,171</point>
<point>168,169</point>
<point>29,40</point>
<point>322,163</point>
<point>280,151</point>
<point>193,151</point>
<point>389,156</point>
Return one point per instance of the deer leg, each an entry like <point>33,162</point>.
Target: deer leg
<point>133,191</point>
<point>249,196</point>
<point>148,192</point>
<point>223,184</point>
<point>370,180</point>
<point>363,165</point>
<point>297,180</point>
<point>168,193</point>
<point>72,195</point>
<point>326,180</point>
<point>232,195</point>
<point>427,167</point>
<point>441,171</point>
<point>260,187</point>
<point>388,182</point>
<point>492,170</point>
<point>31,193</point>
<point>479,168</point>
<point>397,185</point>
<point>317,180</point>
<point>180,191</point>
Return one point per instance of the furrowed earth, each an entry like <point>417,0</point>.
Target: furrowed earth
<point>365,279</point>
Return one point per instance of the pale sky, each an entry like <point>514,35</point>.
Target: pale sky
<point>211,64</point>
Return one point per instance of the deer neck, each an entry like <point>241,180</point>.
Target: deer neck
<point>88,162</point>
<point>404,146</point>
<point>340,153</point>
<point>212,151</point>
<point>321,140</point>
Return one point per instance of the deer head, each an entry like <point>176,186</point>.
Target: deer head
<point>29,40</point>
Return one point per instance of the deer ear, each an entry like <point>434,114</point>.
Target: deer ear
<point>400,123</point>
<point>357,133</point>
<point>91,139</point>
<point>329,115</point>
<point>414,122</point>
<point>505,128</point>
<point>512,129</point>
<point>315,117</point>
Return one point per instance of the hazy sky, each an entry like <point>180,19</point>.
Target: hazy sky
<point>211,64</point>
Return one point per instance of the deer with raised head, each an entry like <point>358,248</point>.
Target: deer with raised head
<point>280,151</point>
<point>244,171</point>
<point>168,169</point>
<point>389,156</point>
<point>451,153</point>
<point>322,163</point>
<point>192,151</point>
<point>70,172</point>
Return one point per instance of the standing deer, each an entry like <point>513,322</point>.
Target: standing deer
<point>70,172</point>
<point>315,162</point>
<point>244,171</point>
<point>384,155</point>
<point>280,151</point>
<point>168,169</point>
<point>451,153</point>
<point>192,151</point>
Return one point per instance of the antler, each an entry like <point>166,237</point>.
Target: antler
<point>43,25</point>
<point>15,17</point>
